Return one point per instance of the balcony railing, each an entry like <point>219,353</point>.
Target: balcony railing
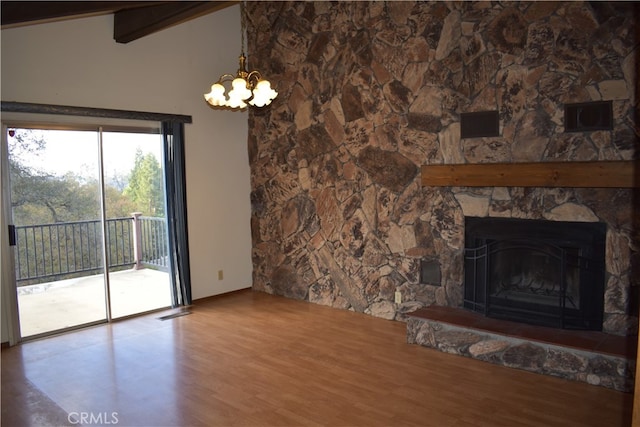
<point>47,252</point>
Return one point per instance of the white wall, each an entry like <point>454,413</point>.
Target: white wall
<point>78,63</point>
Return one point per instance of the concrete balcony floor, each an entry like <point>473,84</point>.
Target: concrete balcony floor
<point>53,306</point>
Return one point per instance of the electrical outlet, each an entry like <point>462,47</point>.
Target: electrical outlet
<point>220,275</point>
<point>398,297</point>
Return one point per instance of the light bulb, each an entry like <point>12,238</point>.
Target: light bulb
<point>239,93</point>
<point>216,96</point>
<point>263,94</point>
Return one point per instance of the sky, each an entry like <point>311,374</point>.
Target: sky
<point>77,152</point>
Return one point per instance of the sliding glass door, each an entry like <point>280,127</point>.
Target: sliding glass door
<point>136,222</point>
<point>89,225</point>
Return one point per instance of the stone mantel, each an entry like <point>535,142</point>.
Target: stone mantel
<point>604,174</point>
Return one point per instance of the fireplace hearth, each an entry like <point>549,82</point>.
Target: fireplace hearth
<point>540,272</point>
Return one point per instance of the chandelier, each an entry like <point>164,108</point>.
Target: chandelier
<point>247,87</point>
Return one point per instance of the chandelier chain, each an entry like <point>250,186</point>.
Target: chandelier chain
<point>243,26</point>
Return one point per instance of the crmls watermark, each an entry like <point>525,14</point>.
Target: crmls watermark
<point>89,418</point>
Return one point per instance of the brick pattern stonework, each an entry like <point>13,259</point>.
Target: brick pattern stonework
<point>371,91</point>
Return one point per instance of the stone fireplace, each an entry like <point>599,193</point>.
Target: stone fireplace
<point>370,92</point>
<point>548,273</point>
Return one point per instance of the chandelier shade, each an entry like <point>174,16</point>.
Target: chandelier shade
<point>245,88</point>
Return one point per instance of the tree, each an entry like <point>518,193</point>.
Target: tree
<point>42,199</point>
<point>33,192</point>
<point>72,202</point>
<point>38,197</point>
<point>146,185</point>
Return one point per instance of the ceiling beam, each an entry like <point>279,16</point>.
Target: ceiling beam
<point>132,19</point>
<point>132,24</point>
<point>20,13</point>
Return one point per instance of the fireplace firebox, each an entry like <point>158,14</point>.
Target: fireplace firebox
<point>548,273</point>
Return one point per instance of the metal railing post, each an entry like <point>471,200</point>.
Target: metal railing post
<point>137,240</point>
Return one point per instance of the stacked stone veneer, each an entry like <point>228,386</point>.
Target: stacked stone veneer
<point>371,91</point>
<point>564,362</point>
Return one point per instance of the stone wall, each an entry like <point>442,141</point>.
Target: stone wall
<point>371,91</point>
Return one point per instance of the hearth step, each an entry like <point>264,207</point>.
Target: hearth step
<point>593,357</point>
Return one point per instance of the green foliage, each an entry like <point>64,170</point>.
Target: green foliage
<point>146,185</point>
<point>117,204</point>
<point>38,197</point>
<point>73,246</point>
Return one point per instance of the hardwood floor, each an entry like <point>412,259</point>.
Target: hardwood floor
<point>252,359</point>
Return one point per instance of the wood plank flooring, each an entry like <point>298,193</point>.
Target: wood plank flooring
<point>252,359</point>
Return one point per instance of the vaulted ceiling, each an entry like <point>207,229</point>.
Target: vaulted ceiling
<point>131,19</point>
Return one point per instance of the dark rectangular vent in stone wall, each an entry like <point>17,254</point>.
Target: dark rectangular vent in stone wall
<point>588,116</point>
<point>430,272</point>
<point>479,124</point>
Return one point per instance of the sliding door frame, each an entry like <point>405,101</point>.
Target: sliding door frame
<point>175,190</point>
<point>8,291</point>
